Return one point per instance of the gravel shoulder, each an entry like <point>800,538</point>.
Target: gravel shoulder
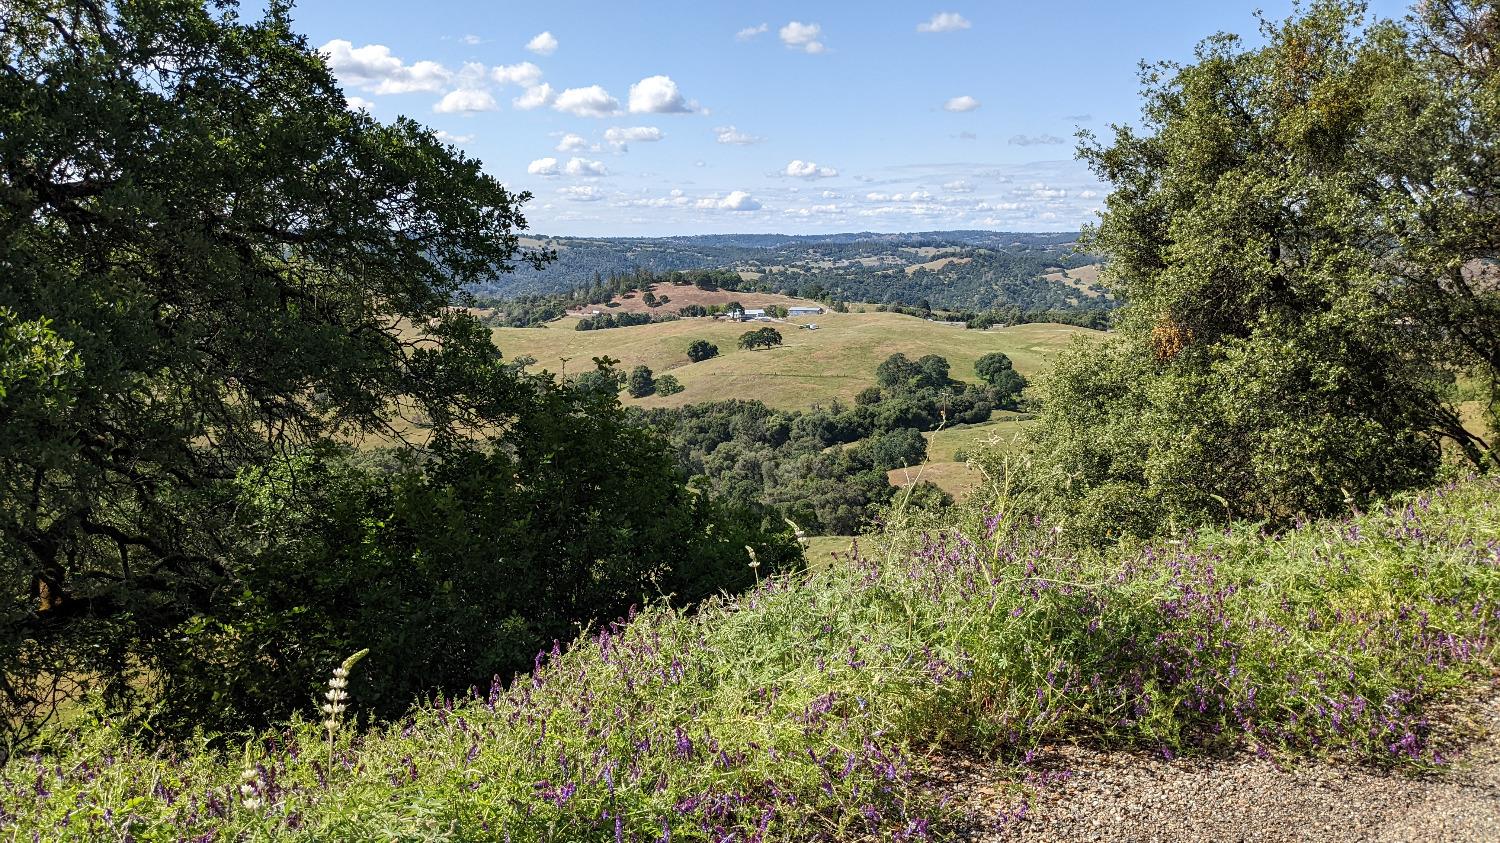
<point>1084,795</point>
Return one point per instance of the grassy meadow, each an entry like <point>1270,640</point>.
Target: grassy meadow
<point>835,361</point>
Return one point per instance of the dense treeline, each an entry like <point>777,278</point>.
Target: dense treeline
<point>582,260</point>
<point>1003,287</point>
<point>825,468</point>
<point>1098,319</point>
<point>218,280</point>
<point>602,321</point>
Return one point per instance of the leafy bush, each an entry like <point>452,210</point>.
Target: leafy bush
<point>700,350</point>
<point>641,382</point>
<point>1295,313</point>
<point>903,447</point>
<point>760,338</point>
<point>1005,383</point>
<point>668,385</point>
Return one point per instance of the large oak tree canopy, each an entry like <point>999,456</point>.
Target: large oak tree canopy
<point>1307,235</point>
<point>210,267</point>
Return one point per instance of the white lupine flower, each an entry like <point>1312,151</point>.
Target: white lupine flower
<point>335,707</point>
<point>250,787</point>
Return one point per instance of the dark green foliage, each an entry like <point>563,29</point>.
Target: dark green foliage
<point>996,269</point>
<point>603,321</point>
<point>1097,318</point>
<point>700,350</point>
<point>457,572</point>
<point>1273,361</point>
<point>760,338</point>
<point>780,462</point>
<point>903,447</point>
<point>1005,383</point>
<point>603,379</point>
<point>897,373</point>
<point>215,276</point>
<point>668,385</point>
<point>641,382</point>
<point>791,463</point>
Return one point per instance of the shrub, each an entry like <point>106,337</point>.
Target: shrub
<point>700,350</point>
<point>760,338</point>
<point>668,385</point>
<point>900,448</point>
<point>641,382</point>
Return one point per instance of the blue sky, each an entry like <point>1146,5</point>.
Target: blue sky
<point>696,117</point>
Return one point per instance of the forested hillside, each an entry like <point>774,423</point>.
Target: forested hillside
<point>974,270</point>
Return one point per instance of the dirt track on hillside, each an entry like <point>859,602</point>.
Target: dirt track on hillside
<point>1085,795</point>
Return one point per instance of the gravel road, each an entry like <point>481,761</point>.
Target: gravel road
<point>1084,795</point>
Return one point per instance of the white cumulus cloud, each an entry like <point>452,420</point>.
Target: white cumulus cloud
<point>525,74</point>
<point>585,167</point>
<point>543,167</point>
<point>544,44</point>
<point>465,101</point>
<point>944,22</point>
<point>729,134</point>
<point>750,32</point>
<point>592,101</point>
<point>800,169</point>
<point>580,193</point>
<point>572,143</point>
<point>447,137</point>
<point>620,137</point>
<point>963,103</point>
<point>658,95</point>
<point>814,210</point>
<point>372,68</point>
<point>737,200</point>
<point>797,35</point>
<point>958,186</point>
<point>358,104</point>
<point>537,96</point>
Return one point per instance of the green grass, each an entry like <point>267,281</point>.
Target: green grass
<point>835,361</point>
<point>801,709</point>
<point>945,446</point>
<point>822,550</point>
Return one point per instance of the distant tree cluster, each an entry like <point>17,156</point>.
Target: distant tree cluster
<point>787,462</point>
<point>603,321</point>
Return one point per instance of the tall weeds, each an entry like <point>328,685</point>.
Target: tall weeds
<point>804,708</point>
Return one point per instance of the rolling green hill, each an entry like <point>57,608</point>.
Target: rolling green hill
<point>835,361</point>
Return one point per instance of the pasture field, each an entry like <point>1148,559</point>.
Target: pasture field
<point>813,366</point>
